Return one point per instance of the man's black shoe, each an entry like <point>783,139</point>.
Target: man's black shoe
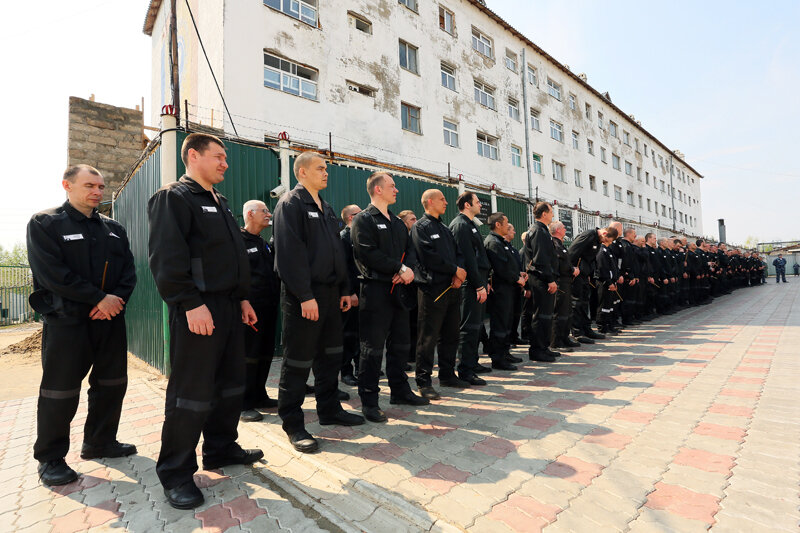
<point>555,349</point>
<point>342,418</point>
<point>56,472</point>
<point>503,365</point>
<point>408,399</point>
<point>342,396</point>
<point>553,353</point>
<point>585,340</point>
<point>453,382</point>
<point>570,342</point>
<point>428,392</point>
<point>542,357</point>
<point>480,369</point>
<point>112,449</point>
<point>409,368</point>
<point>309,389</point>
<point>593,334</point>
<point>238,456</point>
<point>374,414</point>
<point>267,403</point>
<point>349,379</point>
<point>472,379</point>
<point>186,496</point>
<point>303,441</point>
<point>250,415</point>
<point>513,359</point>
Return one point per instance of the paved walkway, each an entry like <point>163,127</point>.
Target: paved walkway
<point>687,423</point>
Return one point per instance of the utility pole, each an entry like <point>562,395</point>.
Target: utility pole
<point>173,57</point>
<point>524,71</point>
<point>672,193</point>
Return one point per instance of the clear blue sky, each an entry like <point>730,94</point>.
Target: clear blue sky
<point>718,80</point>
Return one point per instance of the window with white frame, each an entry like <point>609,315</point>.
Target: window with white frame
<point>290,77</point>
<point>605,187</point>
<point>410,4</point>
<point>553,89</point>
<point>487,145</point>
<point>600,120</point>
<point>532,76</point>
<point>481,43</point>
<point>577,174</point>
<point>408,57</point>
<point>447,20</point>
<point>513,109</point>
<point>484,94</point>
<point>575,137</point>
<point>535,120</point>
<point>573,103</point>
<point>536,163</point>
<point>588,111</point>
<point>628,168</point>
<point>360,23</point>
<point>615,162</point>
<point>516,156</point>
<point>603,155</point>
<point>612,128</point>
<point>450,129</point>
<point>302,10</point>
<point>511,60</point>
<point>592,183</point>
<point>617,193</point>
<point>448,76</point>
<point>626,137</point>
<point>556,131</point>
<point>629,197</point>
<point>558,172</point>
<point>410,117</point>
<point>590,146</point>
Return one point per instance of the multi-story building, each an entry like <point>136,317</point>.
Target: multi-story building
<point>435,85</point>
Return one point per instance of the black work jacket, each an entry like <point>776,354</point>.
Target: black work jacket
<point>380,245</point>
<point>643,256</point>
<point>505,269</point>
<point>630,264</point>
<point>265,287</point>
<point>564,265</point>
<point>654,261</point>
<point>76,260</point>
<point>584,248</point>
<point>438,255</point>
<point>693,267</point>
<point>539,247</point>
<point>518,257</point>
<point>469,241</point>
<point>665,263</point>
<point>606,265</point>
<point>352,269</point>
<point>308,250</point>
<point>195,246</point>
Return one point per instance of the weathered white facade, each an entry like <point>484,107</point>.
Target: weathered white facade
<point>345,56</point>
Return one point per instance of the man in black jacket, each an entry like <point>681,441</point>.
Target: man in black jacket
<point>563,305</point>
<point>259,342</point>
<point>382,251</point>
<point>583,256</point>
<point>607,275</point>
<point>310,260</point>
<point>629,272</point>
<point>542,275</point>
<point>440,271</point>
<point>473,291</point>
<point>350,343</point>
<point>83,275</point>
<point>200,268</point>
<point>507,278</point>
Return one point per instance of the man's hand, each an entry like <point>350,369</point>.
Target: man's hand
<point>111,305</point>
<point>461,273</point>
<point>522,279</point>
<point>576,272</point>
<point>612,287</point>
<point>344,304</point>
<point>248,313</point>
<point>310,310</point>
<point>685,275</point>
<point>621,280</point>
<point>665,282</point>
<point>552,287</point>
<point>651,280</point>
<point>456,283</point>
<point>200,320</point>
<point>97,314</point>
<point>481,295</point>
<point>407,276</point>
<point>527,294</point>
<point>353,300</point>
<point>632,282</point>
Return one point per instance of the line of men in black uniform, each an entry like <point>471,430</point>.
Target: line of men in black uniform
<point>222,284</point>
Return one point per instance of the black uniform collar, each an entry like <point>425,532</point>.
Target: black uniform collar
<point>541,224</point>
<point>558,240</point>
<point>249,236</point>
<point>431,217</point>
<point>76,215</point>
<point>467,219</point>
<point>306,197</point>
<point>374,211</point>
<point>195,187</point>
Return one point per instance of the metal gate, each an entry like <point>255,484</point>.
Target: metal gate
<point>16,285</point>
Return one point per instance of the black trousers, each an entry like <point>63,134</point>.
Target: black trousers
<point>310,344</point>
<point>382,322</point>
<point>68,352</point>
<point>525,318</point>
<point>259,349</point>
<point>606,299</point>
<point>515,337</point>
<point>438,327</point>
<point>562,310</point>
<point>581,318</point>
<point>205,389</point>
<point>351,343</point>
<point>470,328</point>
<point>501,316</point>
<point>542,319</point>
<point>629,300</point>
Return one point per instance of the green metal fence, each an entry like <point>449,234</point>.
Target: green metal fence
<point>16,285</point>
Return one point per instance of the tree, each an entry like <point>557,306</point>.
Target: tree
<point>751,242</point>
<point>18,255</point>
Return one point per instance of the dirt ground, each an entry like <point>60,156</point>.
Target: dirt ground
<point>21,369</point>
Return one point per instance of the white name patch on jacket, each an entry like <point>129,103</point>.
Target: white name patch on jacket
<point>209,209</point>
<point>313,214</point>
<point>253,250</point>
<point>73,237</point>
<point>435,236</point>
<point>381,226</point>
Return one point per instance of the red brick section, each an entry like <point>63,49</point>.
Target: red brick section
<point>752,381</point>
<point>536,422</point>
<point>632,415</point>
<point>676,385</point>
<point>216,519</point>
<point>393,412</point>
<point>437,428</point>
<point>340,433</point>
<point>696,365</point>
<point>753,369</point>
<point>607,438</point>
<point>683,502</point>
<point>480,409</point>
<point>738,393</point>
<point>720,432</point>
<point>85,481</point>
<point>383,452</point>
<point>515,395</point>
<point>704,460</point>
<point>243,509</point>
<point>540,383</point>
<point>733,410</point>
<point>495,447</point>
<point>441,477</point>
<point>573,469</point>
<point>83,519</point>
<point>757,361</point>
<point>659,399</point>
<point>522,513</point>
<point>682,373</point>
<point>567,405</point>
<point>209,478</point>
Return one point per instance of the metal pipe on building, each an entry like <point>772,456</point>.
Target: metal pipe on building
<point>169,147</point>
<point>523,69</point>
<point>722,232</point>
<point>672,194</point>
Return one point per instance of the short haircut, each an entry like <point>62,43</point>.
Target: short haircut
<point>465,198</point>
<point>555,226</point>
<point>251,205</point>
<point>699,242</point>
<point>628,231</point>
<point>427,195</point>
<point>647,236</point>
<point>304,160</point>
<point>611,233</point>
<point>375,179</point>
<point>199,142</point>
<point>678,242</point>
<point>495,219</point>
<point>74,170</point>
<point>540,209</point>
<point>347,211</point>
<point>663,240</point>
<point>403,215</point>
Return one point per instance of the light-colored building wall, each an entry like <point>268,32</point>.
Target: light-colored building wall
<point>371,125</point>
